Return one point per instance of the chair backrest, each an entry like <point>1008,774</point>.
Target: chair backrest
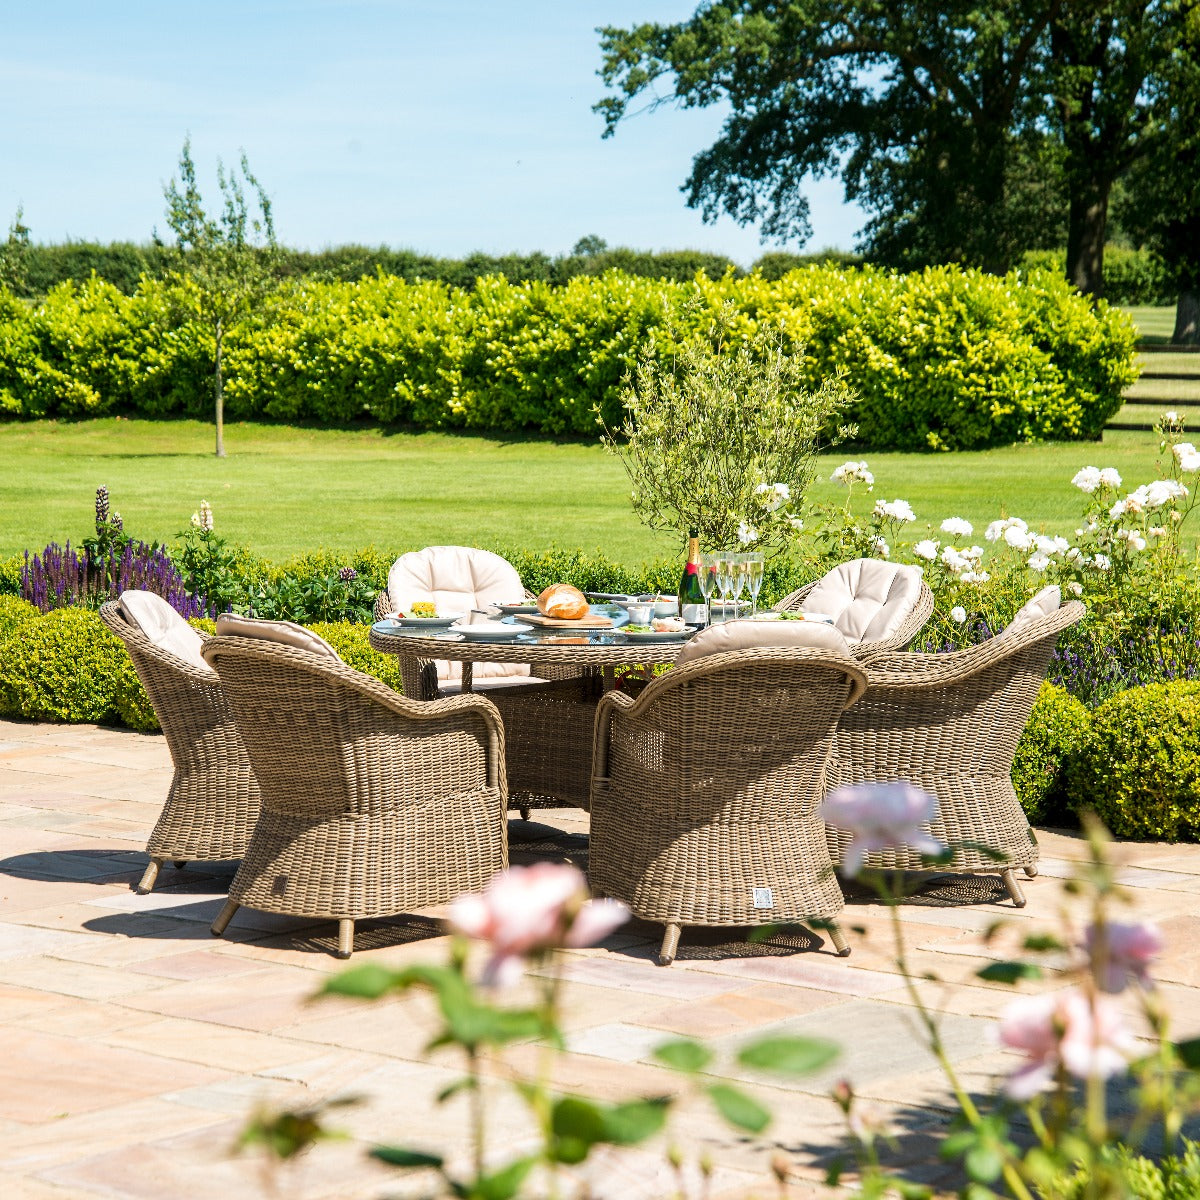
<point>455,578</point>
<point>869,600</point>
<point>324,738</point>
<point>751,634</point>
<point>283,633</point>
<point>163,627</point>
<point>1047,601</point>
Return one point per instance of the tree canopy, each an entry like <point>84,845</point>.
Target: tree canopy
<point>968,133</point>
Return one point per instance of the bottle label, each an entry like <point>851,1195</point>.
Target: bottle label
<point>693,614</point>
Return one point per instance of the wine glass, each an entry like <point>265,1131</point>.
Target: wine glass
<point>708,578</point>
<point>721,565</point>
<point>737,578</point>
<point>755,565</point>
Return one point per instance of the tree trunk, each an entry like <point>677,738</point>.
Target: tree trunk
<point>1187,319</point>
<point>219,391</point>
<point>1086,229</point>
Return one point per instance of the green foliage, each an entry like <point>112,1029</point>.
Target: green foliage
<point>1057,726</point>
<point>1131,276</point>
<point>10,575</point>
<point>64,666</point>
<point>14,612</point>
<point>1139,765</point>
<point>1174,1177</point>
<point>944,358</point>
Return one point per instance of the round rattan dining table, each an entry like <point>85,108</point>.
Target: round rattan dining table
<point>548,725</point>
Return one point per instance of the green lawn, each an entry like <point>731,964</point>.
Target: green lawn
<point>283,490</point>
<point>1155,323</point>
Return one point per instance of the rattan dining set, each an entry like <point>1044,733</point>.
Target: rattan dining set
<point>345,800</point>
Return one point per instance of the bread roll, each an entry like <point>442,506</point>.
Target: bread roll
<point>563,601</point>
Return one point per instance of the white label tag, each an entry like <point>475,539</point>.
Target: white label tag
<point>763,898</point>
<point>693,614</point>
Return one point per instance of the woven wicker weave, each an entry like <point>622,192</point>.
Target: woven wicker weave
<point>950,724</point>
<point>212,803</point>
<point>548,727</point>
<point>706,788</point>
<point>372,804</point>
<point>900,640</point>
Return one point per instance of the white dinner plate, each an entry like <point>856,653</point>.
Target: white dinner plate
<point>438,622</point>
<point>487,630</point>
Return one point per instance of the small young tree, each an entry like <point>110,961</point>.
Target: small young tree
<point>228,259</point>
<point>724,440</point>
<point>14,254</point>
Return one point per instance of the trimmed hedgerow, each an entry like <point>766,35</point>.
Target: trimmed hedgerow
<point>1139,764</point>
<point>1057,726</point>
<point>944,358</point>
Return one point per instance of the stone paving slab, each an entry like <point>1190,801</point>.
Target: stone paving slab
<point>134,1046</point>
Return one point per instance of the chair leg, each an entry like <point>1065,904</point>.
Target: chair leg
<point>345,937</point>
<point>149,877</point>
<point>670,943</point>
<point>525,811</point>
<point>1014,888</point>
<point>1031,872</point>
<point>839,941</point>
<point>224,917</point>
<point>180,863</point>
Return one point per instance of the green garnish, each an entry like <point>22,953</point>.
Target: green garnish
<point>638,629</point>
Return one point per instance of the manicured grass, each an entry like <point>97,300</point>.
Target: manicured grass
<point>1155,323</point>
<point>283,491</point>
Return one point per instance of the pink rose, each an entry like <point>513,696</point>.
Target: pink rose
<point>525,911</point>
<point>881,815</point>
<point>1088,1039</point>
<point>1122,953</point>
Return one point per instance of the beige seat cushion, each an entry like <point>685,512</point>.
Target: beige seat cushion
<point>457,579</point>
<point>286,633</point>
<point>755,635</point>
<point>1047,601</point>
<point>867,599</point>
<point>164,627</point>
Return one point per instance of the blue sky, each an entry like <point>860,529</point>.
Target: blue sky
<point>445,126</point>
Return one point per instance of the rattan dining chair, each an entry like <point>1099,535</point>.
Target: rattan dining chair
<point>705,789</point>
<point>547,716</point>
<point>876,605</point>
<point>372,804</point>
<point>213,801</point>
<point>950,724</point>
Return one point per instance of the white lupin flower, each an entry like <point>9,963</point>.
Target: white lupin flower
<point>1075,588</point>
<point>1109,477</point>
<point>1087,479</point>
<point>958,613</point>
<point>896,510</point>
<point>957,527</point>
<point>204,518</point>
<point>746,533</point>
<point>1038,562</point>
<point>773,496</point>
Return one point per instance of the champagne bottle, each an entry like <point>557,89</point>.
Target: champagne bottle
<point>691,599</point>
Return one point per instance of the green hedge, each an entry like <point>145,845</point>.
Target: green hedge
<point>1130,276</point>
<point>1057,727</point>
<point>1139,764</point>
<point>943,358</point>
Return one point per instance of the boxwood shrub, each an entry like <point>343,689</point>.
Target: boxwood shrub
<point>945,358</point>
<point>1139,764</point>
<point>1057,727</point>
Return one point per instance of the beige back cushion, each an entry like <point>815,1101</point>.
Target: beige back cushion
<point>1047,601</point>
<point>867,599</point>
<point>755,635</point>
<point>284,632</point>
<point>457,579</point>
<point>164,627</point>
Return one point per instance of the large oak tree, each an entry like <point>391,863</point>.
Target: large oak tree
<point>969,133</point>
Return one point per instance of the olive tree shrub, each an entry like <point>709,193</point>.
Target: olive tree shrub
<point>721,434</point>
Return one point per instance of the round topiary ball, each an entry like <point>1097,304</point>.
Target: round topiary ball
<point>1056,729</point>
<point>1139,765</point>
<point>64,666</point>
<point>13,612</point>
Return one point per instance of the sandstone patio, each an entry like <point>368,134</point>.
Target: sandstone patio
<point>134,1046</point>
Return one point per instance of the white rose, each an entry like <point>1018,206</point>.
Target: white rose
<point>1075,588</point>
<point>1017,538</point>
<point>747,533</point>
<point>958,613</point>
<point>1087,479</point>
<point>957,527</point>
<point>1109,477</point>
<point>1038,562</point>
<point>926,549</point>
